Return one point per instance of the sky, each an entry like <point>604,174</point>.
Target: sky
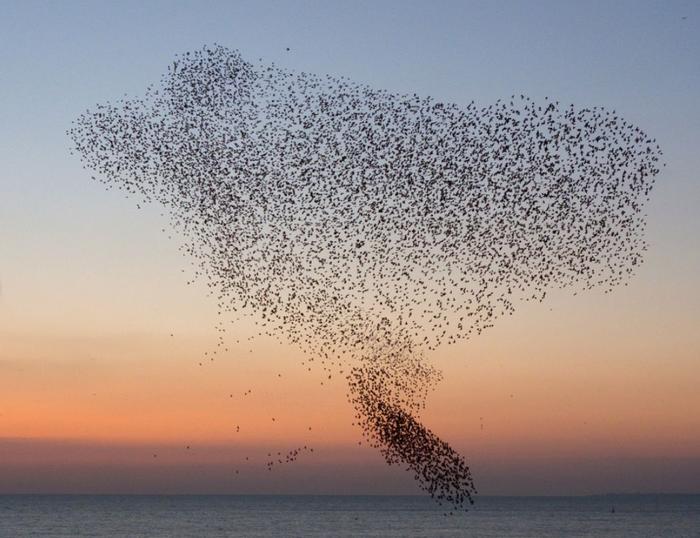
<point>581,394</point>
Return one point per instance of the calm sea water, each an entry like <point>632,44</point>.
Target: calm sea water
<point>264,516</point>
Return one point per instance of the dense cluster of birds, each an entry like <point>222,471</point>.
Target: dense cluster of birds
<point>370,227</point>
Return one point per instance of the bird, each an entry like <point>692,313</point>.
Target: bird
<point>370,228</point>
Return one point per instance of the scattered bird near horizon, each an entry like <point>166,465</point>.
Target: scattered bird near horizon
<point>370,228</point>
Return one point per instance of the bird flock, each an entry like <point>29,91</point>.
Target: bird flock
<point>369,227</point>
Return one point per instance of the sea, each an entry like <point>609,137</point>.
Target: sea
<point>252,516</point>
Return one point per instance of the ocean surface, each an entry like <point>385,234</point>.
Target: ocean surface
<point>342,516</point>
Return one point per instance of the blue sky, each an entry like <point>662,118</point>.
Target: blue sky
<point>59,58</point>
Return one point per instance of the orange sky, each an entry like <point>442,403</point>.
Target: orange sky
<point>577,379</point>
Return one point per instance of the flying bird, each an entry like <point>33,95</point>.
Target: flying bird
<point>370,228</point>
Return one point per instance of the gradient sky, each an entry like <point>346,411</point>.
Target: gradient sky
<point>586,394</point>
